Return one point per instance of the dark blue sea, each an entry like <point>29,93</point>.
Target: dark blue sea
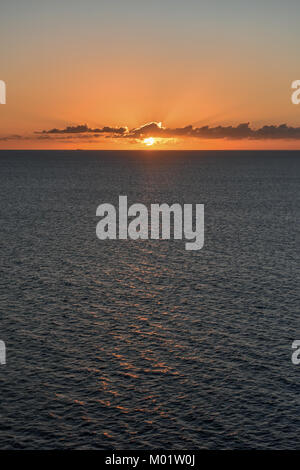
<point>123,344</point>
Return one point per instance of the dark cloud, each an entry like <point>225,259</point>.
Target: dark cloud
<point>83,128</point>
<point>241,131</point>
<point>151,129</point>
<point>278,132</point>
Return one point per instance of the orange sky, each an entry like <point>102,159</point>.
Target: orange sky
<point>179,63</point>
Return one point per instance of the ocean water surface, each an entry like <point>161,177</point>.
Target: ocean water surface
<point>142,344</point>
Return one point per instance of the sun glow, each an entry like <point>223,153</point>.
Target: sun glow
<point>149,141</point>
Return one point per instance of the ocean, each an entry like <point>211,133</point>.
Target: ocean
<point>123,344</point>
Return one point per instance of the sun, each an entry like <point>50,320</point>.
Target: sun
<point>149,141</point>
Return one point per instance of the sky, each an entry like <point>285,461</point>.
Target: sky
<point>186,74</point>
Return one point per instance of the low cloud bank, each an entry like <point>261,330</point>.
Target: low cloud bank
<point>241,131</point>
<point>155,129</point>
